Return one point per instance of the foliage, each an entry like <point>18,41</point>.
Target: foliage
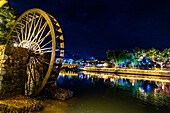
<point>130,59</point>
<point>110,55</point>
<point>134,57</point>
<point>117,56</point>
<point>159,56</point>
<point>139,53</point>
<point>166,54</point>
<point>8,15</point>
<point>122,56</point>
<point>152,53</point>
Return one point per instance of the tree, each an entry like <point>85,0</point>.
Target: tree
<point>117,56</point>
<point>159,56</point>
<point>166,54</point>
<point>130,59</point>
<point>109,55</point>
<point>152,53</point>
<point>8,15</point>
<point>122,57</point>
<point>139,53</point>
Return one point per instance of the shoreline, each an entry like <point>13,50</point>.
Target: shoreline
<point>127,71</point>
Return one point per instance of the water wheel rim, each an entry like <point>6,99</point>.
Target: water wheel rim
<point>50,22</point>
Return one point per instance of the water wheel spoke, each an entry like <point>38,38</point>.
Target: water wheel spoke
<point>42,60</point>
<point>30,28</point>
<point>31,74</point>
<point>18,35</point>
<point>22,31</point>
<point>34,73</point>
<point>37,69</point>
<point>48,50</point>
<point>35,27</point>
<point>46,44</point>
<point>26,85</point>
<point>34,24</point>
<point>44,68</point>
<point>40,75</point>
<point>41,40</point>
<point>26,22</point>
<point>40,24</point>
<point>45,61</point>
<point>29,83</point>
<point>42,29</point>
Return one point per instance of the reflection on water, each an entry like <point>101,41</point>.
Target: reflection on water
<point>107,92</point>
<point>151,89</point>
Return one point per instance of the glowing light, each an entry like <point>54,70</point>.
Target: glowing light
<point>163,86</point>
<point>15,45</point>
<point>132,83</point>
<point>2,2</point>
<point>148,88</point>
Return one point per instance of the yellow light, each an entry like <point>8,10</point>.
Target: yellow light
<point>2,2</point>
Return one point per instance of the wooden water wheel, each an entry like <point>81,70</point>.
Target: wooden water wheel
<point>41,34</point>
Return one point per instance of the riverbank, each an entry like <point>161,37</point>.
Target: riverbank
<point>127,71</point>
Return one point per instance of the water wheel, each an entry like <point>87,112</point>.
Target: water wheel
<point>41,34</point>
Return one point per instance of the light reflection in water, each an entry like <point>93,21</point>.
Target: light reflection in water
<point>110,93</point>
<point>152,89</point>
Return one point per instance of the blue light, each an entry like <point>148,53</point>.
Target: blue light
<point>148,89</point>
<point>92,58</point>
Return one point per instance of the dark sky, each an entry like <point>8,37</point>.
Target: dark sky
<point>91,27</point>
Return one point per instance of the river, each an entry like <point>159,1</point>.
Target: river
<point>111,93</point>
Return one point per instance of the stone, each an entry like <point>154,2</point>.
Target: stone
<point>4,57</point>
<point>1,78</point>
<point>58,93</point>
<point>2,71</point>
<point>19,104</point>
<point>12,70</point>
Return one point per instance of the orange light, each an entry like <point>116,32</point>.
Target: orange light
<point>2,2</point>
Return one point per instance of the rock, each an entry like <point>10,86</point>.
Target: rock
<point>58,93</point>
<point>12,70</point>
<point>19,104</point>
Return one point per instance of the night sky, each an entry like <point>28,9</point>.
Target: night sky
<point>91,27</point>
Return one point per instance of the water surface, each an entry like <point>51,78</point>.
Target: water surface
<point>111,93</point>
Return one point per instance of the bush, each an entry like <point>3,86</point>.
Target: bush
<point>8,15</point>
